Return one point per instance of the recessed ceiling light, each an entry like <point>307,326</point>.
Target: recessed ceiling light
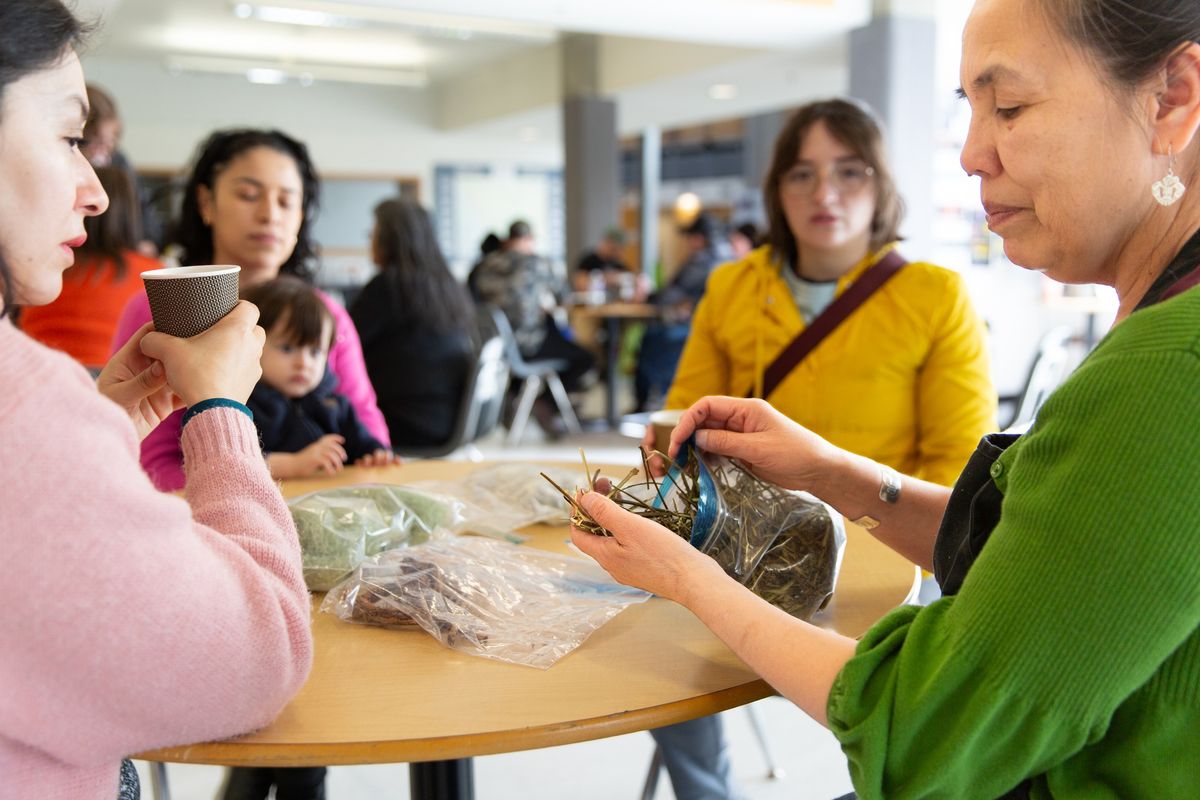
<point>722,91</point>
<point>265,76</point>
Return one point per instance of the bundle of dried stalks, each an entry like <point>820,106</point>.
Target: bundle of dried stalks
<point>677,495</point>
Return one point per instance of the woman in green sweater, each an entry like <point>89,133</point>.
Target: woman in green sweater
<point>1064,659</point>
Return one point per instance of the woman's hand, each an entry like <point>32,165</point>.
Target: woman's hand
<point>380,458</point>
<point>642,553</point>
<point>774,447</point>
<point>138,384</point>
<point>221,362</point>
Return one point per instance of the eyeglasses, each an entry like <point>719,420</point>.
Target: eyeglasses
<point>847,177</point>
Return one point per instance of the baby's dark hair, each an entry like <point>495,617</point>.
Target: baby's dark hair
<point>288,299</point>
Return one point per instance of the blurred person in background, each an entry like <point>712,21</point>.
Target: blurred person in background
<point>102,147</point>
<point>527,288</point>
<point>744,238</point>
<point>662,344</point>
<point>83,319</point>
<point>417,326</point>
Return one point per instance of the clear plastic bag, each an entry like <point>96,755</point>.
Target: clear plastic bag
<point>501,498</point>
<point>785,546</point>
<point>484,597</point>
<point>339,528</point>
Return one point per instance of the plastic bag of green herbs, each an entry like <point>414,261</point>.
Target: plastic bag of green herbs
<point>785,546</point>
<point>339,528</point>
<point>484,597</point>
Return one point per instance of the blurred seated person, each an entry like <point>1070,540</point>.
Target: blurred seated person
<point>743,239</point>
<point>490,244</point>
<point>82,321</point>
<point>417,327</point>
<point>101,147</point>
<point>528,290</point>
<point>663,341</point>
<point>605,261</point>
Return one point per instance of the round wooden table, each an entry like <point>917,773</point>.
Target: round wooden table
<point>384,696</point>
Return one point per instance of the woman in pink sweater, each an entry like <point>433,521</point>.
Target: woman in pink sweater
<point>250,200</point>
<point>132,619</point>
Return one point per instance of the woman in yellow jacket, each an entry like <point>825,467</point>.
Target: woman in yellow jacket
<point>903,380</point>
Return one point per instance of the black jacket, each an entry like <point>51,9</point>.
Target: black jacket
<point>289,426</point>
<point>419,375</point>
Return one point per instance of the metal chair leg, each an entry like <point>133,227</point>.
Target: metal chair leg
<point>158,781</point>
<point>656,764</point>
<point>529,393</point>
<point>773,771</point>
<point>563,402</point>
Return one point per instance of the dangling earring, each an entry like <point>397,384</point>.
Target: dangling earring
<point>1168,189</point>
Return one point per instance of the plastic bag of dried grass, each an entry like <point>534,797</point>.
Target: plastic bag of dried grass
<point>484,597</point>
<point>785,546</point>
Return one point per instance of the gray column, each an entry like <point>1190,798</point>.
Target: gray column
<point>892,63</point>
<point>591,174</point>
<point>759,135</point>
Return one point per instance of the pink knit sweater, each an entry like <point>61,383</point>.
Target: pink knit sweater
<point>132,619</point>
<point>161,456</point>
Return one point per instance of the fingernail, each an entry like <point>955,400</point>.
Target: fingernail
<point>701,438</point>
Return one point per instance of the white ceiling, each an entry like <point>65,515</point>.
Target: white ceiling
<point>444,38</point>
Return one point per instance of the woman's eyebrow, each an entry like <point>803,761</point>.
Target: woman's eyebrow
<point>988,77</point>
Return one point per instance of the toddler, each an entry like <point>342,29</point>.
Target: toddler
<point>307,428</point>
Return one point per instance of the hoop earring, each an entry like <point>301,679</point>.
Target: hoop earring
<point>1168,189</point>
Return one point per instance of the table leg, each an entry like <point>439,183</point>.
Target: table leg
<point>613,327</point>
<point>442,780</point>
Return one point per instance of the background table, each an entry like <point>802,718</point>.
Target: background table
<point>612,315</point>
<point>383,696</point>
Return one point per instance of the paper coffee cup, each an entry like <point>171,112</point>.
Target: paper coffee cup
<point>185,301</point>
<point>663,423</point>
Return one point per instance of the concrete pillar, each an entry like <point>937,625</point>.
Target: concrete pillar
<point>651,180</point>
<point>892,68</point>
<point>591,174</point>
<point>759,136</point>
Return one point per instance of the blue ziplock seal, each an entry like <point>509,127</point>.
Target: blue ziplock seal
<point>706,507</point>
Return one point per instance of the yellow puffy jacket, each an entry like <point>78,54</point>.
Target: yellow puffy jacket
<point>904,380</point>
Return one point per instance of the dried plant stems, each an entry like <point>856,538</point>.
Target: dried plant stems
<point>671,503</point>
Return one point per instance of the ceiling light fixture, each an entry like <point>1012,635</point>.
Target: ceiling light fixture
<point>305,74</point>
<point>318,13</point>
<point>722,91</point>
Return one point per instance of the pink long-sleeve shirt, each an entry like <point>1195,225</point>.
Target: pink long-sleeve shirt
<point>132,619</point>
<point>161,455</point>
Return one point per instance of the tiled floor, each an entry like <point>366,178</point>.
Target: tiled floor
<point>607,769</point>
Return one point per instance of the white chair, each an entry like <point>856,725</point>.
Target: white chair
<point>1050,367</point>
<point>533,374</point>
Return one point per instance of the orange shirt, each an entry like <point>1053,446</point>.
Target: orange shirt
<point>83,320</point>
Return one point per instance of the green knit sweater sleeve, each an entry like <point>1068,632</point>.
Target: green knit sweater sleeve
<point>1086,587</point>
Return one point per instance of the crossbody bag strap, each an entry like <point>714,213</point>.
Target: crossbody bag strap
<point>828,320</point>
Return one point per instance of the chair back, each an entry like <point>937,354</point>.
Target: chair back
<point>485,392</point>
<point>481,404</point>
<point>520,366</point>
<point>1049,369</point>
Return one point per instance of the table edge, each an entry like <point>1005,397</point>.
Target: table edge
<point>440,748</point>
